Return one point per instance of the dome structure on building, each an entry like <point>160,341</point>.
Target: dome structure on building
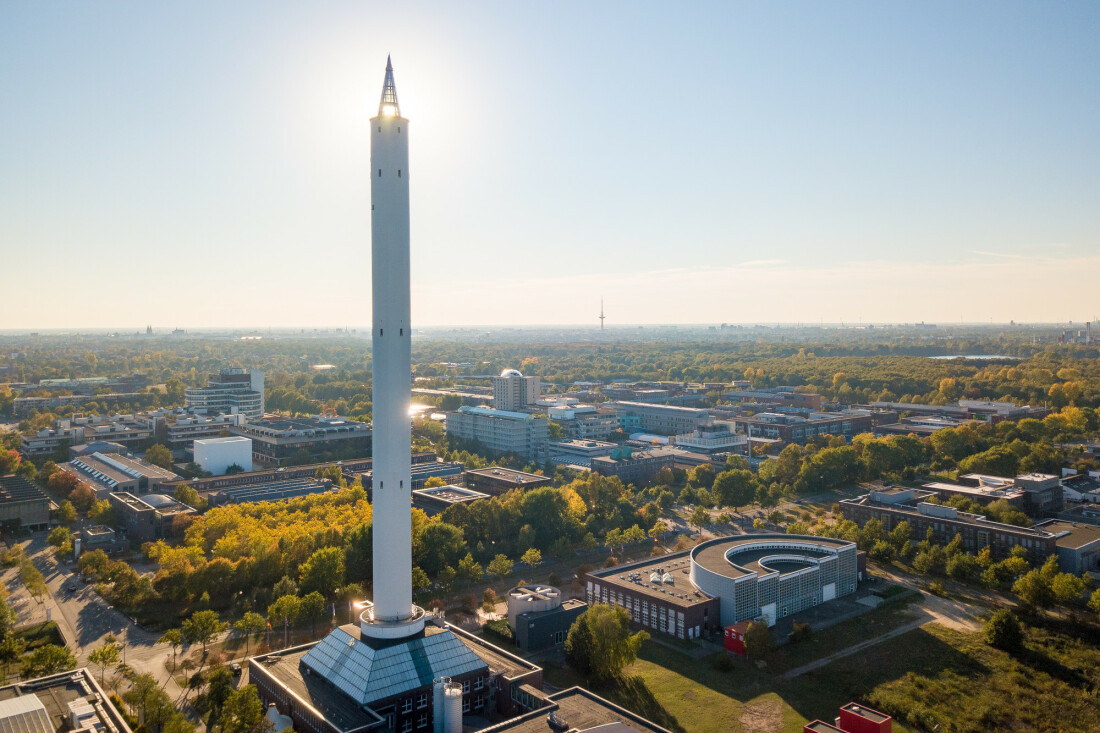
<point>511,373</point>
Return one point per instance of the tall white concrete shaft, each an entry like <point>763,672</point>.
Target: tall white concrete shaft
<point>392,483</point>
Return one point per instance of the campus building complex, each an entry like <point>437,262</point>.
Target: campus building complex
<point>894,505</point>
<point>729,579</point>
<point>281,441</point>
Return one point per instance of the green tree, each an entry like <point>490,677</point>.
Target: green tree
<point>1002,630</point>
<point>185,494</point>
<point>469,569</point>
<point>203,627</point>
<point>106,656</point>
<point>242,712</point>
<point>284,610</point>
<point>11,650</point>
<point>500,566</point>
<point>531,558</point>
<point>173,638</point>
<point>758,640</point>
<point>159,455</point>
<point>66,512</point>
<point>735,488</point>
<point>47,659</point>
<point>249,624</point>
<point>699,518</point>
<point>437,545</point>
<point>600,645</point>
<point>312,609</point>
<point>323,571</point>
<point>61,539</point>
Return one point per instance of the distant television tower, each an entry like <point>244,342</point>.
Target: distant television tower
<point>601,314</point>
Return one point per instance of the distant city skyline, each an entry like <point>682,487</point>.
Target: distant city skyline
<point>206,165</point>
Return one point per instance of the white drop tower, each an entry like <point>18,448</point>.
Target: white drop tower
<point>392,615</point>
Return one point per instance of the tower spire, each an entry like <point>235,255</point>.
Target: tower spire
<point>388,106</point>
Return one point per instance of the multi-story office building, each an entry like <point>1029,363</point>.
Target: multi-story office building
<point>515,392</point>
<point>501,431</point>
<point>785,396</point>
<point>713,437</point>
<point>659,419</point>
<point>280,441</point>
<point>181,433</point>
<point>632,467</point>
<point>134,432</point>
<point>793,428</point>
<point>894,505</point>
<point>232,391</point>
<point>22,406</point>
<point>583,422</point>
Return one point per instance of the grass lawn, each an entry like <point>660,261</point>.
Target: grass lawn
<point>932,676</point>
<point>36,635</point>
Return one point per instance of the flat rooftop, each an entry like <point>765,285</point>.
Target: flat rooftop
<point>580,710</point>
<point>506,474</point>
<point>735,557</point>
<point>636,577</point>
<point>450,494</point>
<point>1071,535</point>
<point>56,692</point>
<point>866,713</point>
<point>984,491</point>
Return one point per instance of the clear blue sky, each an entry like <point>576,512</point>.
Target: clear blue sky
<point>205,163</point>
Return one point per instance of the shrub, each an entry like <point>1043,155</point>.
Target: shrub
<point>800,631</point>
<point>1002,630</point>
<point>722,662</point>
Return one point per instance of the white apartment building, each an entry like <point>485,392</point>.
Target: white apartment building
<point>513,391</point>
<point>501,431</point>
<point>233,391</point>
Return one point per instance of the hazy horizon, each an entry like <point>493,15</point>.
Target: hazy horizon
<point>207,164</point>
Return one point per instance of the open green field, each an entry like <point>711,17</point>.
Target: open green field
<point>928,677</point>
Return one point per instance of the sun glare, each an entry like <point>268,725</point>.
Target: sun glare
<point>389,110</point>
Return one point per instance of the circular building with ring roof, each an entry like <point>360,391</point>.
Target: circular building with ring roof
<point>771,576</point>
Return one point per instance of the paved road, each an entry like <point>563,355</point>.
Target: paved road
<point>84,617</point>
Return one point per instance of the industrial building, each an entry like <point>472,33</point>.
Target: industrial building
<point>23,506</point>
<point>106,473</point>
<point>232,391</point>
<point>280,441</point>
<point>539,617</point>
<point>501,431</point>
<point>515,392</point>
<point>496,480</point>
<point>270,491</point>
<point>894,505</point>
<point>218,455</point>
<point>726,580</point>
